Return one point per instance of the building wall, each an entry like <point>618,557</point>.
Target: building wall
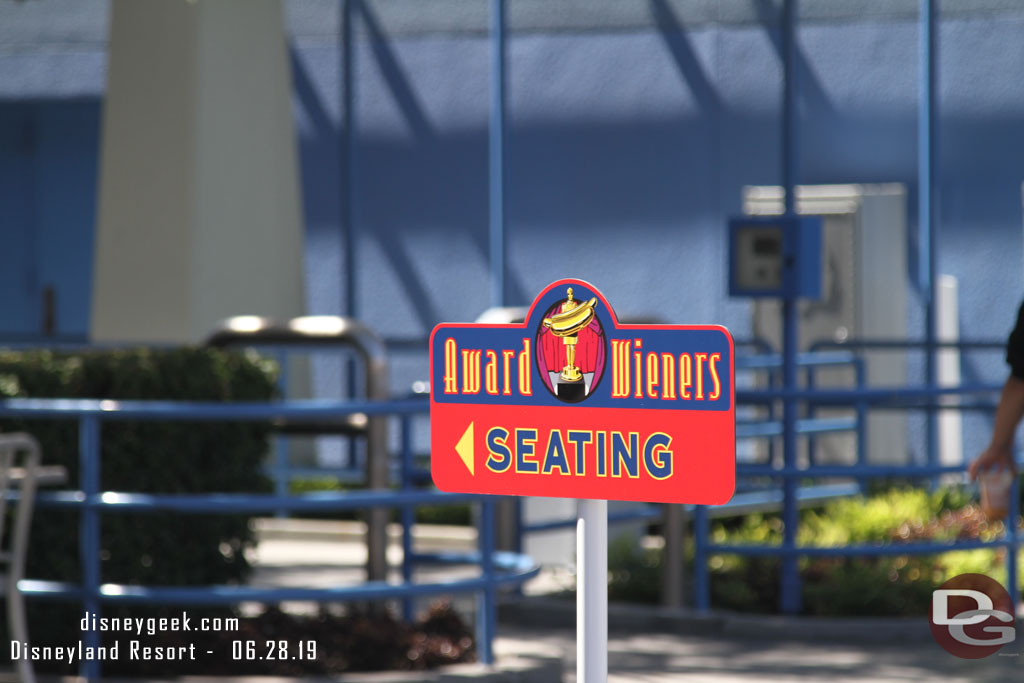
<point>48,153</point>
<point>633,127</point>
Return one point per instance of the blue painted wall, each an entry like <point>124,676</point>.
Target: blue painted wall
<point>627,149</point>
<point>48,172</point>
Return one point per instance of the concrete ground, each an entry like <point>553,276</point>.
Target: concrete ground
<point>676,647</point>
<point>667,657</point>
<point>646,645</point>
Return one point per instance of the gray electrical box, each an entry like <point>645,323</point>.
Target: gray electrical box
<point>864,294</point>
<point>775,256</point>
<point>757,255</point>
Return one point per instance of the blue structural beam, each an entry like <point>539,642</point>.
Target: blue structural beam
<point>927,196</point>
<point>496,155</point>
<point>89,533</point>
<point>790,579</point>
<point>347,157</point>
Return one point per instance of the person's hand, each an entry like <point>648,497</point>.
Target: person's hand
<point>992,458</point>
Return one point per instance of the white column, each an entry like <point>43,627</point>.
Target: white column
<point>199,210</point>
<point>947,322</point>
<point>592,592</point>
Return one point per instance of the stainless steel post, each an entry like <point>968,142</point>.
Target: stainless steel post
<point>329,330</point>
<point>673,567</point>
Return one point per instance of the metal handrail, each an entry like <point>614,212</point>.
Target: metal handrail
<point>498,569</point>
<point>334,331</point>
<point>904,398</point>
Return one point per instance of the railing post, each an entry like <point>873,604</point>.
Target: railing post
<point>496,150</point>
<point>812,440</point>
<point>1011,549</point>
<point>862,423</point>
<point>378,461</point>
<point>673,566</point>
<point>487,608</point>
<point>790,589</point>
<point>408,515</point>
<point>701,578</point>
<point>336,331</point>
<point>89,533</point>
<point>927,194</point>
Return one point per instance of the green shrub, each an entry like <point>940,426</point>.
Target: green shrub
<point>634,574</point>
<point>880,585</point>
<point>149,457</point>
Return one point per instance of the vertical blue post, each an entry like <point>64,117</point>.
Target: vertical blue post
<point>770,409</point>
<point>790,588</point>
<point>89,532</point>
<point>701,579</point>
<point>1011,549</point>
<point>408,514</point>
<point>862,423</point>
<point>812,440</point>
<point>347,169</point>
<point>487,608</point>
<point>496,155</point>
<point>927,136</point>
<point>347,158</point>
<point>518,505</point>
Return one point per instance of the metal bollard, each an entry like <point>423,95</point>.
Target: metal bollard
<point>335,331</point>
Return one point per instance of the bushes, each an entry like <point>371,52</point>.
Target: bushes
<point>884,585</point>
<point>151,457</point>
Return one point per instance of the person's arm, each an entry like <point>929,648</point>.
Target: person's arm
<point>1009,412</point>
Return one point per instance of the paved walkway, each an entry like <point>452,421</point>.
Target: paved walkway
<point>643,649</point>
<point>742,653</point>
<point>662,657</point>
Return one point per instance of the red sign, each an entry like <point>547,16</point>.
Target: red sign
<point>572,404</point>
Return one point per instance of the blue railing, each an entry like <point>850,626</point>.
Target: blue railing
<point>753,497</point>
<point>497,569</point>
<point>900,398</point>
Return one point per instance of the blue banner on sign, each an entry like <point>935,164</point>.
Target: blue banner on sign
<point>571,350</point>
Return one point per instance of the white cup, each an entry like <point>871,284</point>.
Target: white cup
<point>995,488</point>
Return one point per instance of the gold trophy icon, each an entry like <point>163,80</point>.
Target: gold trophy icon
<point>567,323</point>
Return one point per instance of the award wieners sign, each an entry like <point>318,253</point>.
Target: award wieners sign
<point>573,404</point>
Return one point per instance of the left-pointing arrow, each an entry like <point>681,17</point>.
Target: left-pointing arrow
<point>465,448</point>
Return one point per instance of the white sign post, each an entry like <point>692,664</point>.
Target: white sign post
<point>592,591</point>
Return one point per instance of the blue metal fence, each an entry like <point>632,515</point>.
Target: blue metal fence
<point>901,398</point>
<point>497,569</point>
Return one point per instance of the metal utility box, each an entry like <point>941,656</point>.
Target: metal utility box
<point>775,256</point>
<point>864,294</point>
